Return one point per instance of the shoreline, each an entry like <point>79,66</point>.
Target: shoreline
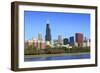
<point>50,55</point>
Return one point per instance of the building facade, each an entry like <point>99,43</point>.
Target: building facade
<point>71,41</point>
<point>88,42</point>
<point>85,42</point>
<point>65,41</point>
<point>60,40</point>
<point>40,37</point>
<point>79,39</point>
<point>48,33</point>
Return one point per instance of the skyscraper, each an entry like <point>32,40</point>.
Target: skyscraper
<point>60,40</point>
<point>88,42</point>
<point>55,42</point>
<point>48,33</point>
<point>65,41</point>
<point>85,42</point>
<point>40,37</point>
<point>71,41</point>
<point>79,39</point>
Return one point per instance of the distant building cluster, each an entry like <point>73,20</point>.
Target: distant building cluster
<point>78,40</point>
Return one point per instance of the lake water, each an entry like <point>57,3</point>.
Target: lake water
<point>68,57</point>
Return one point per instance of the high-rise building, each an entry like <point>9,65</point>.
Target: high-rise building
<point>40,37</point>
<point>85,42</point>
<point>79,39</point>
<point>60,40</point>
<point>71,41</point>
<point>88,42</point>
<point>65,41</point>
<point>55,42</point>
<point>48,33</point>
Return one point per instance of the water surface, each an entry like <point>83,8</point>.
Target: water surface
<point>67,57</point>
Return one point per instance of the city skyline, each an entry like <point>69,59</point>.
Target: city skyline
<point>77,41</point>
<point>35,22</point>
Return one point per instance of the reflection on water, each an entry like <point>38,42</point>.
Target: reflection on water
<point>68,57</point>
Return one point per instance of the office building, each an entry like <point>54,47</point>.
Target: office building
<point>60,40</point>
<point>71,41</point>
<point>88,42</point>
<point>65,41</point>
<point>48,33</point>
<point>79,39</point>
<point>85,42</point>
<point>40,37</point>
<point>55,42</point>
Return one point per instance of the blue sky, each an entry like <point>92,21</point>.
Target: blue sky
<point>65,24</point>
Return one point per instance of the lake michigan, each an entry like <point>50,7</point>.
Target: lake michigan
<point>65,57</point>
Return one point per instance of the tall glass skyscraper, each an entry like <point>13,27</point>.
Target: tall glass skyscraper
<point>71,41</point>
<point>65,41</point>
<point>48,33</point>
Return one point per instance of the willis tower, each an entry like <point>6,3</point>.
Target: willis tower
<point>48,33</point>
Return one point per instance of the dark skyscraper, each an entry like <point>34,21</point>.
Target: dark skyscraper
<point>71,41</point>
<point>65,41</point>
<point>48,33</point>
